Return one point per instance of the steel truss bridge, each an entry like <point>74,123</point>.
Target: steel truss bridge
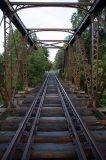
<point>52,127</point>
<point>75,51</point>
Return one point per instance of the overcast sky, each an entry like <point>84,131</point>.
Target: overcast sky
<point>45,18</point>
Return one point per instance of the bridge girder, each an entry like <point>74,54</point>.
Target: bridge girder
<point>32,30</point>
<point>8,10</point>
<point>24,5</point>
<point>95,9</point>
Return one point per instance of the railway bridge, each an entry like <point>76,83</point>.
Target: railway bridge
<point>56,120</point>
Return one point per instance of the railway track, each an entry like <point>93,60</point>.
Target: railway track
<point>52,129</point>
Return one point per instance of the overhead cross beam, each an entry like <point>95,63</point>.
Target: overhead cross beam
<point>69,30</point>
<point>50,40</point>
<point>51,43</point>
<point>23,5</point>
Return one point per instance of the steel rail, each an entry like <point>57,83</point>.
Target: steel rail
<point>80,151</point>
<point>11,148</point>
<point>26,153</point>
<point>96,151</point>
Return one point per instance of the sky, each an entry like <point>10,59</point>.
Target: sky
<point>51,17</point>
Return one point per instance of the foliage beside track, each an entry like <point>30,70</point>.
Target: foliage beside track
<point>75,21</point>
<point>38,61</point>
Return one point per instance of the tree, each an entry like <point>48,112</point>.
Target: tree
<point>59,60</point>
<point>38,63</point>
<point>76,20</point>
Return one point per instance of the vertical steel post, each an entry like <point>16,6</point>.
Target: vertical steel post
<point>73,66</point>
<point>86,66</point>
<point>5,50</point>
<point>95,50</point>
<point>69,64</point>
<point>17,64</point>
<point>24,61</point>
<point>77,59</point>
<point>65,64</point>
<point>8,55</point>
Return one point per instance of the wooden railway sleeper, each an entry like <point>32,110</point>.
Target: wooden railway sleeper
<point>93,146</point>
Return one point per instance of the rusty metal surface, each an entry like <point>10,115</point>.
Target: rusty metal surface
<point>55,119</point>
<point>95,55</point>
<point>95,9</point>
<point>12,146</point>
<point>69,30</point>
<point>7,8</point>
<point>23,5</point>
<point>86,66</point>
<point>97,153</point>
<point>51,43</point>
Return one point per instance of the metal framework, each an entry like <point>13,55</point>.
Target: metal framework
<point>86,66</point>
<point>8,10</point>
<point>23,5</point>
<point>49,45</point>
<point>32,30</point>
<point>71,56</point>
<point>95,50</point>
<point>52,43</point>
<point>72,67</point>
<point>76,126</point>
<point>96,8</point>
<point>8,66</point>
<point>24,63</point>
<point>77,67</point>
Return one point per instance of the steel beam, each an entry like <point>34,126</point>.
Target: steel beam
<point>31,30</point>
<point>53,47</point>
<point>95,9</point>
<point>50,40</point>
<point>8,66</point>
<point>8,10</point>
<point>51,4</point>
<point>95,55</point>
<point>51,43</point>
<point>86,66</point>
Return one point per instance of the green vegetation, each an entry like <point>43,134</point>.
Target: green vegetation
<point>103,99</point>
<point>59,60</point>
<point>37,61</point>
